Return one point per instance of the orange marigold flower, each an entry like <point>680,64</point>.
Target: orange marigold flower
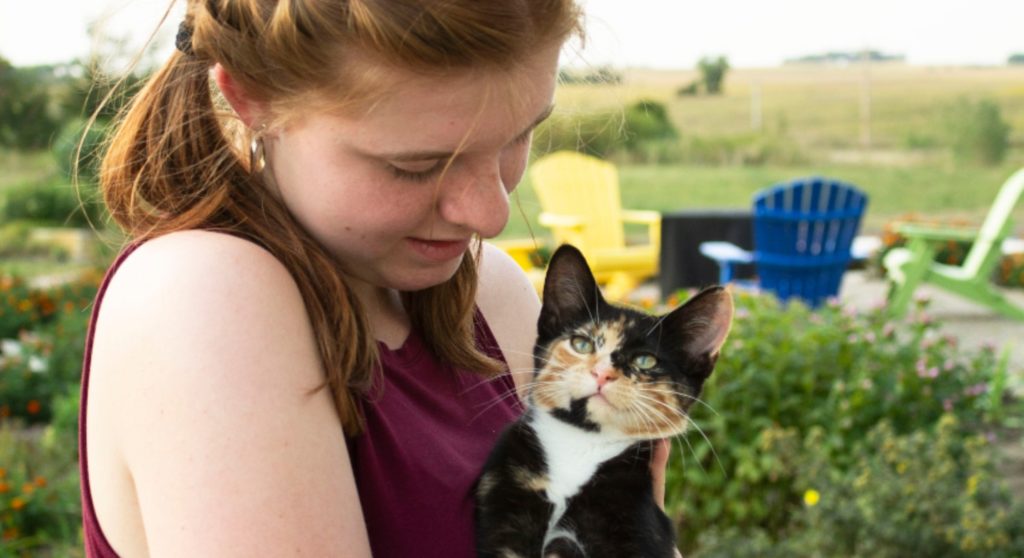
<point>33,407</point>
<point>5,411</point>
<point>11,534</point>
<point>17,504</point>
<point>47,306</point>
<point>4,487</point>
<point>69,307</point>
<point>40,481</point>
<point>28,488</point>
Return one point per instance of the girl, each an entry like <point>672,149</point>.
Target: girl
<point>302,349</point>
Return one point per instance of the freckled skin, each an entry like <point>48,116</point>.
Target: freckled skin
<point>605,370</point>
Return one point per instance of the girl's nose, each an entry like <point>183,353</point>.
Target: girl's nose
<point>476,199</point>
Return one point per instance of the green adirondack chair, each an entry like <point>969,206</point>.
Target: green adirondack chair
<point>909,267</point>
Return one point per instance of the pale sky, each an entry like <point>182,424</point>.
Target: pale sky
<point>648,33</point>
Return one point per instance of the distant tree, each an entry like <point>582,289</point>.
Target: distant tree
<point>28,119</point>
<point>713,72</point>
<point>1016,59</point>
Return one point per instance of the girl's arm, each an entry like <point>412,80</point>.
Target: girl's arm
<point>207,357</point>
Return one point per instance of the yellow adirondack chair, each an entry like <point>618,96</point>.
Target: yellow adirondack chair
<point>579,196</point>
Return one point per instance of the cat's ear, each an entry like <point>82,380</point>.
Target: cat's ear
<point>703,322</point>
<point>570,290</point>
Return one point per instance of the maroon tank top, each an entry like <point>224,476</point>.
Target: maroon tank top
<point>96,543</point>
<point>429,428</point>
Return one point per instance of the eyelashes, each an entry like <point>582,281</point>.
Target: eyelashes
<point>432,172</point>
<point>417,176</point>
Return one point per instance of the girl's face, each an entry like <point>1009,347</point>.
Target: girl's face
<point>396,192</point>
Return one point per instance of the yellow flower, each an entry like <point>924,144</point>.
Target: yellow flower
<point>901,467</point>
<point>812,497</point>
<point>972,485</point>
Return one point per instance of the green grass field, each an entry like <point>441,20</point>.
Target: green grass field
<point>818,106</point>
<point>906,169</point>
<point>956,193</point>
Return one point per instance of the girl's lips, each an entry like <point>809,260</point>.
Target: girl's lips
<point>439,250</point>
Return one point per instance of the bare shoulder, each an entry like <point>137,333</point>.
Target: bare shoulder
<point>509,303</point>
<point>205,365</point>
<point>200,295</point>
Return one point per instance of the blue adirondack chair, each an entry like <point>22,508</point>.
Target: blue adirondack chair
<point>804,231</point>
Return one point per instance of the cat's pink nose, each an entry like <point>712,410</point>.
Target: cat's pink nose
<point>603,374</point>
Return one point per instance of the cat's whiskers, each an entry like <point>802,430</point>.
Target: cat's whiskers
<point>645,413</point>
<point>688,396</point>
<point>693,423</point>
<point>693,452</point>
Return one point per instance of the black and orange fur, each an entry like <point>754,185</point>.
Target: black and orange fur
<point>572,478</point>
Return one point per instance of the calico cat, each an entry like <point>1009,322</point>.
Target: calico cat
<point>572,477</point>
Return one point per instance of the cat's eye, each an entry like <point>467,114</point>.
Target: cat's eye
<point>581,344</point>
<point>644,362</point>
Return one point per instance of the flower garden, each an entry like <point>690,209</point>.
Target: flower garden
<point>841,433</point>
<point>43,337</point>
<point>823,433</point>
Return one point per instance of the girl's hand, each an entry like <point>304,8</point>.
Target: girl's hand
<point>659,462</point>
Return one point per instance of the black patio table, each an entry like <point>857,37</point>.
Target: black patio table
<point>680,261</point>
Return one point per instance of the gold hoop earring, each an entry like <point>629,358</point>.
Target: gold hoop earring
<point>257,153</point>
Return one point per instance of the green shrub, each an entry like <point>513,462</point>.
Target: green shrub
<point>598,134</point>
<point>21,306</point>
<point>604,134</point>
<point>65,150</point>
<point>647,121</point>
<point>977,131</point>
<point>42,358</point>
<point>40,509</point>
<point>786,372</point>
<point>1011,270</point>
<point>930,493</point>
<point>742,149</point>
<point>55,203</point>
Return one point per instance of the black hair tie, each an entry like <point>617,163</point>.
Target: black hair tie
<point>183,40</point>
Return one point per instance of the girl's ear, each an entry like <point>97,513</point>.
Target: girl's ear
<point>248,109</point>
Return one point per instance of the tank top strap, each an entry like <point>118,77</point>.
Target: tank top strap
<point>96,543</point>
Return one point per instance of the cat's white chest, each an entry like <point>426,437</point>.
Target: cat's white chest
<point>572,455</point>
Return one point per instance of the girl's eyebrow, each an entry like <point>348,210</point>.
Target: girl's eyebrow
<point>410,156</point>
